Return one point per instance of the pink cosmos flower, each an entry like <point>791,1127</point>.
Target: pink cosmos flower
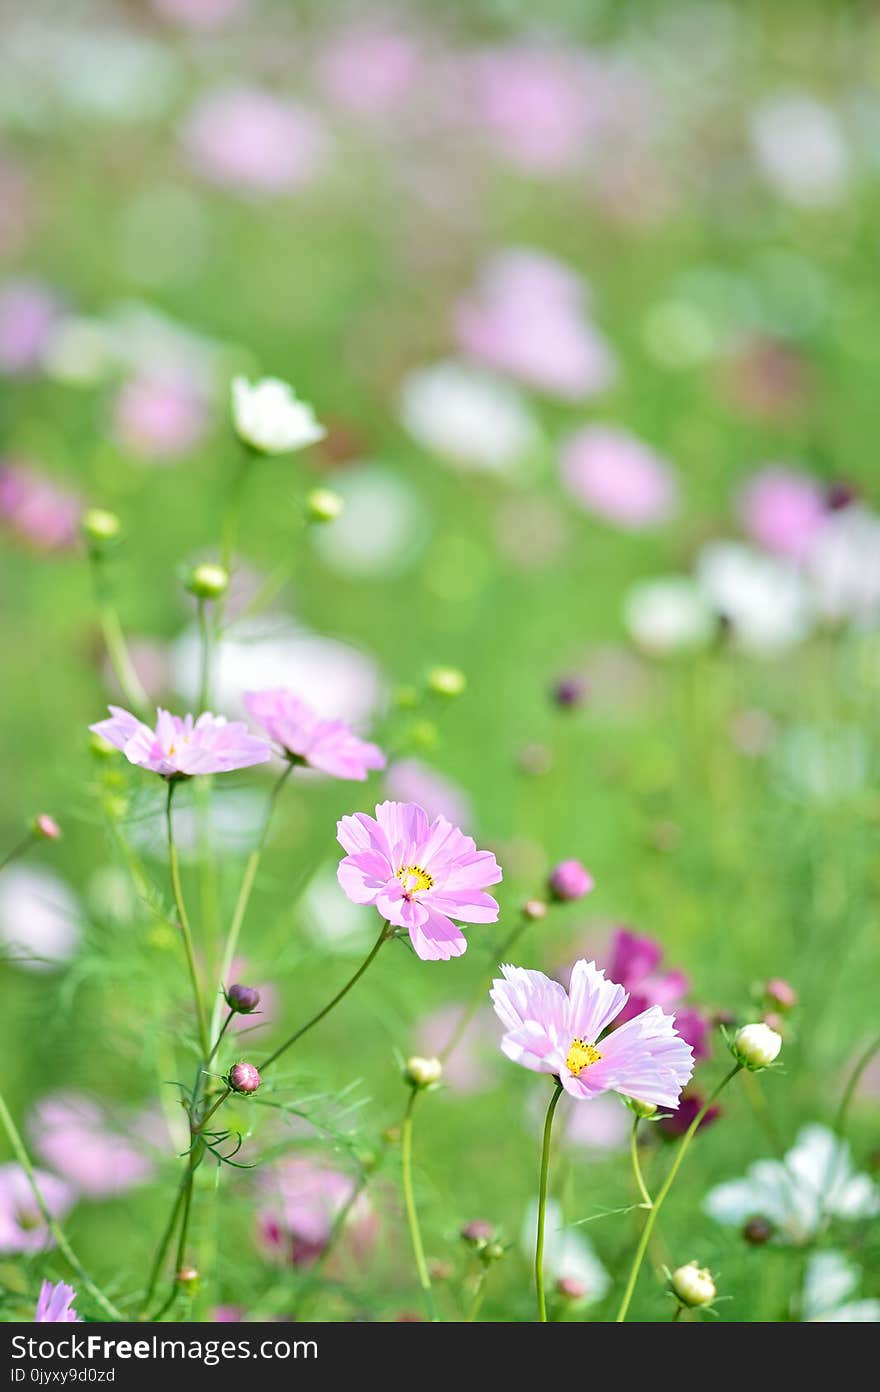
<point>158,420</point>
<point>183,747</point>
<point>71,1133</point>
<point>302,1203</point>
<point>418,874</point>
<point>370,73</point>
<point>28,311</point>
<point>634,963</point>
<point>611,473</point>
<point>327,745</point>
<point>526,319</point>
<point>55,1304</point>
<point>783,510</point>
<point>532,103</point>
<point>22,1228</point>
<point>253,141</point>
<point>562,1033</point>
<point>36,510</point>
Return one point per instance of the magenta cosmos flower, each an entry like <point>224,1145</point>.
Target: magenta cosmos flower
<point>419,874</point>
<point>327,745</point>
<point>635,963</point>
<point>612,474</point>
<point>551,1031</point>
<point>55,1305</point>
<point>22,1226</point>
<point>183,747</point>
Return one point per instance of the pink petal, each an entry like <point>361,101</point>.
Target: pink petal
<point>436,940</point>
<point>594,1002</point>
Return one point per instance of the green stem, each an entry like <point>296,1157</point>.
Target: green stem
<point>223,1029</point>
<point>205,646</point>
<point>542,1203</point>
<point>667,1185</point>
<point>184,924</point>
<point>164,1244</point>
<point>64,1246</point>
<point>479,995</point>
<point>477,1301</point>
<point>247,884</point>
<point>412,1216</point>
<point>114,641</point>
<point>647,1201</point>
<point>310,1024</point>
<point>18,849</point>
<point>853,1082</point>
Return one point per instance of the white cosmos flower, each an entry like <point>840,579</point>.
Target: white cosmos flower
<point>843,565</point>
<point>269,416</point>
<point>764,599</point>
<point>668,615</point>
<point>815,1180</point>
<point>800,148</point>
<point>40,918</point>
<point>468,417</point>
<point>829,1279</point>
<point>381,530</point>
<point>566,1252</point>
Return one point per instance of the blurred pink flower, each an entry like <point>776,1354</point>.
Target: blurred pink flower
<point>36,509</point>
<point>22,1227</point>
<point>369,72</point>
<point>55,1304</point>
<point>783,510</point>
<point>300,1205</point>
<point>253,141</point>
<point>531,101</point>
<point>200,14</point>
<point>466,1069</point>
<point>634,963</point>
<point>210,744</point>
<point>611,473</point>
<point>418,874</point>
<point>72,1133</point>
<point>549,1030</point>
<point>158,420</point>
<point>329,746</point>
<point>410,780</point>
<point>527,318</point>
<point>28,313</point>
<point>605,1125</point>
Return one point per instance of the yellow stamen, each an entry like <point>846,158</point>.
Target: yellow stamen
<point>414,879</point>
<point>580,1056</point>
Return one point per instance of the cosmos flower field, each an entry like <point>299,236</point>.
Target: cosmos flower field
<point>440,546</point>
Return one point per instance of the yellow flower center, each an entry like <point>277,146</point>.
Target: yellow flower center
<point>414,879</point>
<point>580,1056</point>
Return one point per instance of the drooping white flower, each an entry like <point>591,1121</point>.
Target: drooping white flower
<point>815,1180</point>
<point>270,417</point>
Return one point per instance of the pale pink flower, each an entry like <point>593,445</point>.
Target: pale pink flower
<point>466,1070</point>
<point>418,874</point>
<point>369,73</point>
<point>55,1304</point>
<point>72,1133</point>
<point>34,508</point>
<point>28,313</point>
<point>254,142</point>
<point>330,746</point>
<point>611,473</point>
<point>22,1226</point>
<point>564,1034</point>
<point>157,419</point>
<point>412,780</point>
<point>532,103</point>
<point>183,747</point>
<point>783,511</point>
<point>300,1209</point>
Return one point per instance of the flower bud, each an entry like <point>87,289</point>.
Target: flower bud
<point>693,1285</point>
<point>780,994</point>
<point>243,1077</point>
<point>570,1289</point>
<point>569,692</point>
<point>570,881</point>
<point>440,1270</point>
<point>446,681</point>
<point>46,827</point>
<point>100,526</point>
<point>642,1110</point>
<point>424,735</point>
<point>188,1278</point>
<point>406,697</point>
<point>492,1252</point>
<point>758,1230</point>
<point>756,1046</point>
<point>477,1232</point>
<point>242,999</point>
<point>323,505</point>
<point>423,1072</point>
<point>208,580</point>
<point>534,908</point>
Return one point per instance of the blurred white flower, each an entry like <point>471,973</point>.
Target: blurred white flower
<point>765,600</point>
<point>330,920</point>
<point>468,417</point>
<point>815,1180</point>
<point>40,918</point>
<point>567,1254</point>
<point>337,680</point>
<point>667,615</point>
<point>269,416</point>
<point>800,148</point>
<point>382,528</point>
<point>829,1279</point>
<point>843,565</point>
